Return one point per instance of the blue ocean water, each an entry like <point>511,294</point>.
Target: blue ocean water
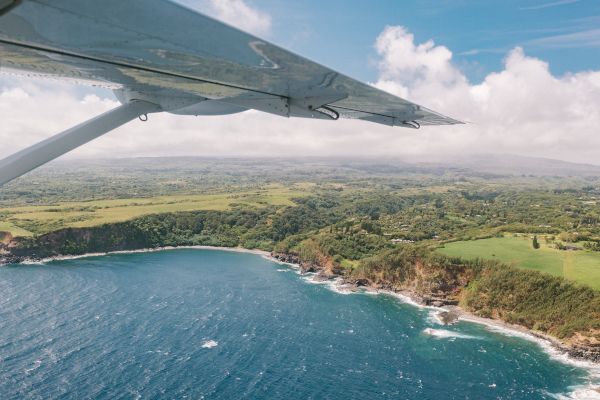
<point>204,324</point>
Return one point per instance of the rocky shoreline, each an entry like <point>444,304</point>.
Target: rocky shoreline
<point>449,310</point>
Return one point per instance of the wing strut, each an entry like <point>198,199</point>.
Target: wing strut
<point>27,159</point>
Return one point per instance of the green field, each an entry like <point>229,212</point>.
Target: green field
<point>581,266</point>
<point>29,220</point>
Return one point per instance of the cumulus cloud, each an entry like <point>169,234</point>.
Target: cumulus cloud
<point>522,109</point>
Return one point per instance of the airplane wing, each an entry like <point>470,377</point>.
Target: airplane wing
<point>166,57</point>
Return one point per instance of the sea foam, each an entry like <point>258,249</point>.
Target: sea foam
<point>209,344</point>
<point>446,334</point>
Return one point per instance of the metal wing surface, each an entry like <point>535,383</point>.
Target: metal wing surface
<point>159,56</point>
<point>162,52</point>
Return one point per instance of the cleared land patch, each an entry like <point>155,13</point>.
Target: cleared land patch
<point>28,220</point>
<point>580,266</point>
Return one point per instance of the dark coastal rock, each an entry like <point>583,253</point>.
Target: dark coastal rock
<point>448,317</point>
<point>286,258</point>
<point>439,301</point>
<point>591,353</point>
<point>321,277</point>
<point>337,270</point>
<point>356,282</point>
<point>13,259</point>
<point>307,267</point>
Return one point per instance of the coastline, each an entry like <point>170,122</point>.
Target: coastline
<point>30,260</point>
<point>549,345</point>
<point>339,284</point>
<point>553,346</point>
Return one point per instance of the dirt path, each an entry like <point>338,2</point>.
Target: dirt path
<point>568,264</point>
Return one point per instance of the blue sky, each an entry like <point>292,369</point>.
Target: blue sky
<point>340,33</point>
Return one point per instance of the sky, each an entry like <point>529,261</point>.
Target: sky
<point>525,75</point>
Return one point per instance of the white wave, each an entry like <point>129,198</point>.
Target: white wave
<point>370,292</point>
<point>292,267</point>
<point>588,392</point>
<point>31,262</point>
<point>545,344</point>
<point>446,334</point>
<point>406,299</point>
<point>209,344</point>
<point>36,365</point>
<point>433,317</point>
<point>335,285</point>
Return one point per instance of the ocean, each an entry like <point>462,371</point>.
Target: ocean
<point>208,324</point>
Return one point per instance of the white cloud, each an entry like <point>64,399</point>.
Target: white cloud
<point>238,13</point>
<point>521,109</point>
<point>404,64</point>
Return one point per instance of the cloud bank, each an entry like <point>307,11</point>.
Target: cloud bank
<point>522,109</point>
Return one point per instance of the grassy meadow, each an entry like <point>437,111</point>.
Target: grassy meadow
<point>39,219</point>
<point>580,266</point>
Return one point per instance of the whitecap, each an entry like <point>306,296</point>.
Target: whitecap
<point>545,344</point>
<point>446,334</point>
<point>406,299</point>
<point>36,365</point>
<point>31,262</point>
<point>434,318</point>
<point>587,392</point>
<point>209,344</point>
<point>335,285</point>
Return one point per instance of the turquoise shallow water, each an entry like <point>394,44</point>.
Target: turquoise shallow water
<point>222,325</point>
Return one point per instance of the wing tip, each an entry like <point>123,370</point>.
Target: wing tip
<point>434,118</point>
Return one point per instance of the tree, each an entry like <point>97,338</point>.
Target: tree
<point>592,246</point>
<point>535,243</point>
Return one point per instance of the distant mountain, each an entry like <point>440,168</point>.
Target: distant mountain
<point>509,164</point>
<point>488,164</point>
